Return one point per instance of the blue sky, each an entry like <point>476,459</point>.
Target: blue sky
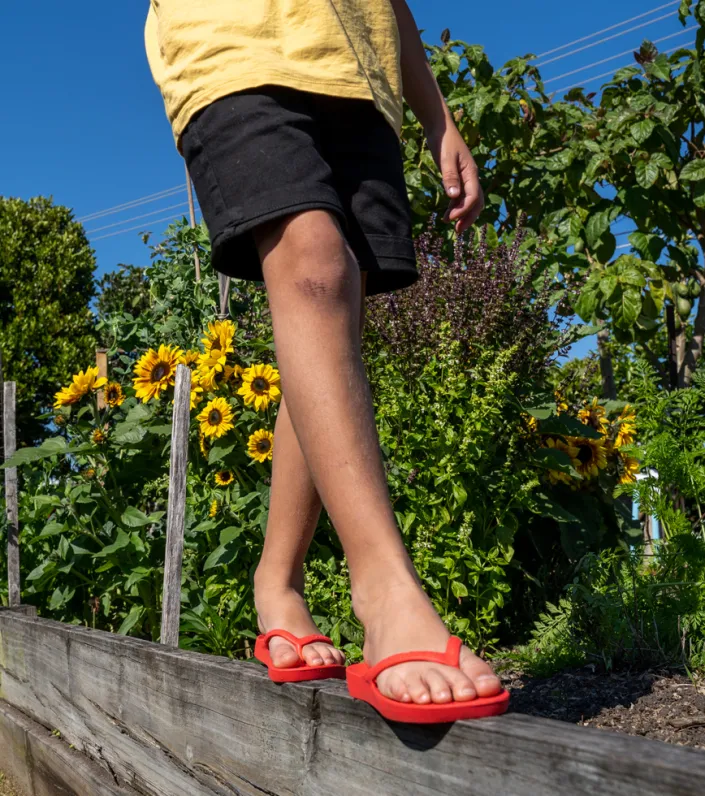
<point>83,121</point>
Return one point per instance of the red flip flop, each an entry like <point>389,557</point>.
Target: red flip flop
<point>296,674</point>
<point>362,685</point>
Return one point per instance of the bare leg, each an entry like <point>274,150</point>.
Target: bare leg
<point>294,509</point>
<point>313,284</point>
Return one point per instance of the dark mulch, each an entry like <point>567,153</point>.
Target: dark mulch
<point>663,705</point>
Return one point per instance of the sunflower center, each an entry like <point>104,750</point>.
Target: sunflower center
<point>263,446</point>
<point>215,417</point>
<point>160,371</point>
<point>260,384</point>
<point>584,454</point>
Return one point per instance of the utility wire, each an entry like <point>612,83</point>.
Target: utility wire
<point>607,74</point>
<point>136,218</point>
<point>139,226</point>
<point>606,30</point>
<point>153,197</point>
<point>619,55</point>
<point>607,38</point>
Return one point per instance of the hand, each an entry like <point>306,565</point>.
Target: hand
<point>460,178</point>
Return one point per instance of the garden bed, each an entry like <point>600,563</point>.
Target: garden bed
<point>659,704</point>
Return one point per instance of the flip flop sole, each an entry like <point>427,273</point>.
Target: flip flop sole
<point>435,713</point>
<point>296,674</point>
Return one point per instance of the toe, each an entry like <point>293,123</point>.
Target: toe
<point>484,680</point>
<point>312,655</point>
<point>283,655</point>
<point>460,684</point>
<point>438,686</point>
<point>339,656</point>
<point>325,652</point>
<point>417,688</point>
<point>392,686</point>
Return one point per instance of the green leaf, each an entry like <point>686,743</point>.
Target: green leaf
<point>131,619</point>
<point>588,301</point>
<point>52,528</point>
<point>459,589</point>
<point>608,284</point>
<point>121,540</point>
<point>632,276</point>
<point>659,67</point>
<point>642,130</point>
<point>219,450</point>
<point>547,507</point>
<point>596,227</point>
<point>134,518</point>
<point>553,459</point>
<point>568,426</point>
<point>459,493</point>
<point>693,171</point>
<point>223,554</point>
<point>50,447</point>
<point>646,173</point>
<point>625,306</point>
<point>229,534</point>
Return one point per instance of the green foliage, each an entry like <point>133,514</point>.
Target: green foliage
<point>46,285</point>
<point>624,610</point>
<point>125,290</point>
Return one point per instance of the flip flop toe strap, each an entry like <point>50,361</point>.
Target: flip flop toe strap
<point>451,657</point>
<point>299,642</point>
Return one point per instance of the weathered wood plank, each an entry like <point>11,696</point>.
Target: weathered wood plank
<point>43,765</point>
<point>170,722</point>
<point>10,445</point>
<point>176,509</point>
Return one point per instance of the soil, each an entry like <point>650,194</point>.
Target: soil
<point>7,788</point>
<point>664,705</point>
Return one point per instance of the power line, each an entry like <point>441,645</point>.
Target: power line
<point>136,218</point>
<point>606,30</point>
<point>132,229</point>
<point>602,41</point>
<point>619,55</point>
<point>153,197</point>
<point>607,74</point>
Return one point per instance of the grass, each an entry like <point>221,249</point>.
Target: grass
<point>7,788</point>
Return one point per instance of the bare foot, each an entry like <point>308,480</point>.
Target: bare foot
<point>284,607</point>
<point>402,619</point>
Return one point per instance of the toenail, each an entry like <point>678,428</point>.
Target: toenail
<point>443,694</point>
<point>486,677</point>
<point>318,660</point>
<point>466,690</point>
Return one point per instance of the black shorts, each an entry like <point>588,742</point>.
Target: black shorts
<point>266,153</point>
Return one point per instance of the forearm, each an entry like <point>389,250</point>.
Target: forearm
<point>421,90</point>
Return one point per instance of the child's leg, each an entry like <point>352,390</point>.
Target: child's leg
<point>294,509</point>
<point>313,283</point>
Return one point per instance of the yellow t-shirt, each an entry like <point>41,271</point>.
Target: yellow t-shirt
<point>200,50</point>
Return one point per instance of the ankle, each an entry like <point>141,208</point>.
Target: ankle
<point>371,595</point>
<point>273,580</point>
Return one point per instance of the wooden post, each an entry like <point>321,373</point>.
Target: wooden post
<point>10,443</point>
<point>224,285</point>
<point>101,361</point>
<point>176,509</point>
<point>192,214</point>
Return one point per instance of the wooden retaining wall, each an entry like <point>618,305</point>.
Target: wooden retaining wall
<point>153,720</point>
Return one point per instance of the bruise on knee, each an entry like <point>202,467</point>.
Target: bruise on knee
<point>316,288</point>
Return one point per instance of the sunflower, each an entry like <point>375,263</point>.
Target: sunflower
<point>260,385</point>
<point>203,443</point>
<point>156,371</point>
<point>558,476</point>
<point>82,383</point>
<point>591,456</point>
<point>60,420</point>
<point>626,428</point>
<point>561,403</point>
<point>260,445</point>
<point>219,336</point>
<point>531,422</point>
<point>593,414</point>
<point>216,418</point>
<point>224,477</point>
<point>213,370</point>
<point>236,376</point>
<point>88,473</point>
<point>213,509</point>
<point>113,394</point>
<point>189,357</point>
<point>196,395</point>
<point>629,468</point>
<point>99,436</point>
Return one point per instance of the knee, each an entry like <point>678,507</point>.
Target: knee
<point>314,258</point>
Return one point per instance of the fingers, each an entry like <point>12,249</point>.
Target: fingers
<point>450,171</point>
<point>466,207</point>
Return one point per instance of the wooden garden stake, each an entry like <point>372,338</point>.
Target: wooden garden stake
<point>192,214</point>
<point>101,361</point>
<point>176,509</point>
<point>10,444</point>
